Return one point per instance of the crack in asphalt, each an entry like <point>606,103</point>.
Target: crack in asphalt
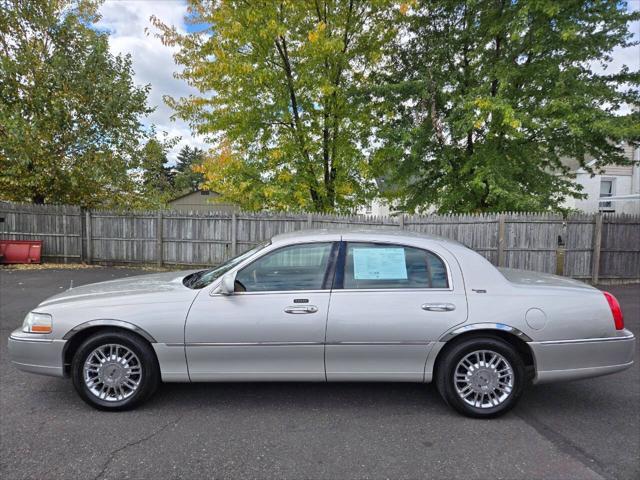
<point>565,445</point>
<point>113,453</point>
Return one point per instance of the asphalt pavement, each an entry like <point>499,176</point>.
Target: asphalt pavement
<point>587,429</point>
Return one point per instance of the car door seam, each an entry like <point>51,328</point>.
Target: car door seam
<point>184,333</point>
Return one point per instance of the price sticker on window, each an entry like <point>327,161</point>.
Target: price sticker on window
<point>379,264</point>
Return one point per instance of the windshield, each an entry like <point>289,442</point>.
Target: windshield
<point>204,277</point>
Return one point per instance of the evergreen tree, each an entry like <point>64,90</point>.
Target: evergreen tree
<point>157,178</point>
<point>186,178</point>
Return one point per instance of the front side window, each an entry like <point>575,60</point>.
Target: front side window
<point>297,267</point>
<point>369,265</point>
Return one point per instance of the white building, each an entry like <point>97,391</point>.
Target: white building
<point>614,188</point>
<point>377,207</point>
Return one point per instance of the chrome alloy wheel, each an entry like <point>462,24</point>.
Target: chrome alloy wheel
<point>483,379</point>
<point>112,372</point>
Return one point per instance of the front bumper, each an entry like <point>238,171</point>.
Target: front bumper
<point>583,358</point>
<point>36,354</point>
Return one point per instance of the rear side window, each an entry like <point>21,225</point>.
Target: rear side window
<point>297,267</point>
<point>370,265</point>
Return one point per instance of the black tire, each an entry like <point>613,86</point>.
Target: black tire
<point>149,379</point>
<point>446,369</point>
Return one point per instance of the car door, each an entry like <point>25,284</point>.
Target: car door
<point>272,327</point>
<point>389,305</point>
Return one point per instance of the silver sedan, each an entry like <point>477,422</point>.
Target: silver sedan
<point>330,306</point>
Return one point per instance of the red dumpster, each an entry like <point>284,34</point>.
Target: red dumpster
<point>20,251</point>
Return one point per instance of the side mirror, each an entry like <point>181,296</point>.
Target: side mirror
<point>228,284</point>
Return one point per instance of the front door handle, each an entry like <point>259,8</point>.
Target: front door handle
<point>301,309</point>
<point>438,307</point>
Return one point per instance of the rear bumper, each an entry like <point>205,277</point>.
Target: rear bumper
<point>36,354</point>
<point>583,358</point>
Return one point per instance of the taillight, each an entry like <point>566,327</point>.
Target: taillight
<point>616,311</point>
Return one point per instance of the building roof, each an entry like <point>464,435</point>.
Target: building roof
<point>191,192</point>
<point>574,165</point>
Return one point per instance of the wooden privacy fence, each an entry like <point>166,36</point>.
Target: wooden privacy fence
<point>595,247</point>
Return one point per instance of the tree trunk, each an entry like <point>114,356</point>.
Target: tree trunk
<point>326,160</point>
<point>281,46</point>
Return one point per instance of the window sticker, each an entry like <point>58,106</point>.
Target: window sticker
<point>379,264</point>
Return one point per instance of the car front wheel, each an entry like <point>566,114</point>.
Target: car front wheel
<point>481,377</point>
<point>114,371</point>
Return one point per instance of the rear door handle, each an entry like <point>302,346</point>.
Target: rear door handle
<point>438,307</point>
<point>301,309</point>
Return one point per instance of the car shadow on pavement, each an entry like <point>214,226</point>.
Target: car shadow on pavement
<point>292,394</point>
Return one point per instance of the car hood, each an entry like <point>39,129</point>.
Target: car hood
<point>530,278</point>
<point>157,283</point>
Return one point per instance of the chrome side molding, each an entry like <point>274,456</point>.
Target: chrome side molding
<point>286,344</point>
<point>620,338</point>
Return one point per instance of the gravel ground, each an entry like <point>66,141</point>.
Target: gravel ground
<point>584,429</point>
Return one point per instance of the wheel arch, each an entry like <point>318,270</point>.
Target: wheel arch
<point>516,338</point>
<point>80,333</point>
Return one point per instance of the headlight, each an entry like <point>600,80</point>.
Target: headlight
<point>37,323</point>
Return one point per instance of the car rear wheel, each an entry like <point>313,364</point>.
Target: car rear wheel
<point>115,371</point>
<point>481,377</point>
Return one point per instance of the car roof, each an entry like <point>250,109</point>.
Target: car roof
<point>368,234</point>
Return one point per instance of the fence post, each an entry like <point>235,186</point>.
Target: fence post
<point>309,220</point>
<point>88,235</point>
<point>561,250</point>
<point>501,250</point>
<point>560,254</point>
<point>595,255</point>
<point>81,231</point>
<point>159,252</point>
<point>234,235</point>
<point>401,219</point>
<point>64,237</point>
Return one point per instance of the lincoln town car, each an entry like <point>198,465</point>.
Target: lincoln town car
<point>330,306</point>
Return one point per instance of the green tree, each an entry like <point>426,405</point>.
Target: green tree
<point>186,178</point>
<point>69,110</point>
<point>482,100</point>
<point>280,90</point>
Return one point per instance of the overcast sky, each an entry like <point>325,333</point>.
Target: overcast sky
<point>153,63</point>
